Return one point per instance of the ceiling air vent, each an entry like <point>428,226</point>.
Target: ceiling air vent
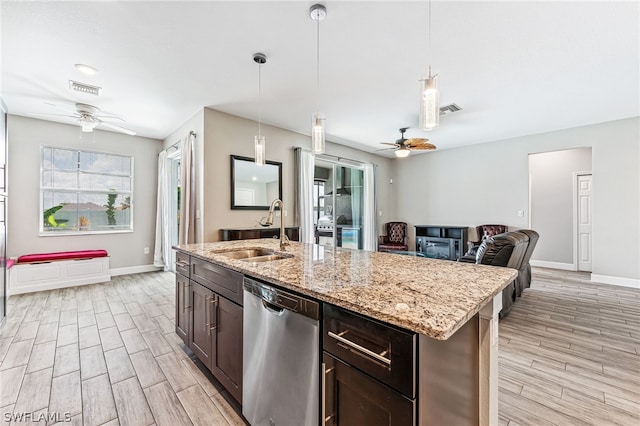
<point>84,88</point>
<point>449,109</point>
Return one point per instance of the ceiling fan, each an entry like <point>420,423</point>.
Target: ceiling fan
<point>404,146</point>
<point>90,117</point>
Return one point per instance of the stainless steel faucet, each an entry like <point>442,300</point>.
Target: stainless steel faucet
<point>284,240</point>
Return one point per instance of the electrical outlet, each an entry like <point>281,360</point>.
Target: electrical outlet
<point>146,250</point>
<point>380,213</point>
<point>520,213</point>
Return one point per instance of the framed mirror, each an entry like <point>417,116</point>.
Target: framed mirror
<point>254,187</point>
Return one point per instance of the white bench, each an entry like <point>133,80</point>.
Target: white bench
<point>48,271</point>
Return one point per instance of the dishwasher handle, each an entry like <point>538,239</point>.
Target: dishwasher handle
<point>275,309</point>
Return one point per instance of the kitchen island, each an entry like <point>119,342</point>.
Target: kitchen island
<point>451,307</point>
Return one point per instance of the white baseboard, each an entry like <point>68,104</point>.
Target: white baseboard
<point>623,282</point>
<point>553,265</point>
<point>134,270</point>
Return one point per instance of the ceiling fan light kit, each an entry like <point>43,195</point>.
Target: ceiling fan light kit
<point>318,13</point>
<point>402,152</point>
<point>259,141</point>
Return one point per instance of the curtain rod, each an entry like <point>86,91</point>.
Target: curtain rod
<point>175,145</point>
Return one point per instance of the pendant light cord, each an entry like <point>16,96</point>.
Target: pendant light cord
<point>259,98</point>
<point>318,64</point>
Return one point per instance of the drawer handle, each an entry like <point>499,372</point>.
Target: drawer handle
<point>360,348</point>
<point>214,301</point>
<point>182,264</point>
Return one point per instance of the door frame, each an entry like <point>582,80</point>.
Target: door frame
<point>576,175</point>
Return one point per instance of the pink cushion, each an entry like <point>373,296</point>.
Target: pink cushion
<point>63,255</point>
<point>10,263</point>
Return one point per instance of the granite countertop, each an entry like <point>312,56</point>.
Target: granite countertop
<point>428,296</point>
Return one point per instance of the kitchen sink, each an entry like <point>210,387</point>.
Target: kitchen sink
<point>254,255</point>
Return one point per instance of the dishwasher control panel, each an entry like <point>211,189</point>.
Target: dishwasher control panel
<point>282,299</point>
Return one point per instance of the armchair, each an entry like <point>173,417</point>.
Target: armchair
<point>396,238</point>
<point>482,232</point>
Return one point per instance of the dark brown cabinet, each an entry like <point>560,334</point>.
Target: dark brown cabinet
<point>369,371</point>
<point>293,233</point>
<point>226,355</point>
<point>203,303</point>
<point>209,317</point>
<point>183,307</point>
<point>353,398</point>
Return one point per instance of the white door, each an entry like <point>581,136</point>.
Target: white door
<point>584,222</point>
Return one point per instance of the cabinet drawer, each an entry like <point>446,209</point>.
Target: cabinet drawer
<point>223,281</point>
<point>182,264</point>
<point>385,353</point>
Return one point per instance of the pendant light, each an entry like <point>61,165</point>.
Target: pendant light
<point>429,94</point>
<point>259,141</point>
<point>317,12</point>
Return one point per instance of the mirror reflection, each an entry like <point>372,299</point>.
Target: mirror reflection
<point>253,187</point>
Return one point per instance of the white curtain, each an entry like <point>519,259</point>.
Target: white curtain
<point>186,234</point>
<point>369,238</point>
<point>305,169</point>
<point>162,250</point>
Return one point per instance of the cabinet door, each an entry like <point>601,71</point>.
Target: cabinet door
<point>226,361</point>
<point>182,307</point>
<point>353,398</point>
<point>203,309</point>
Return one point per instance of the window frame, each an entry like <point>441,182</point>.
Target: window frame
<point>43,190</point>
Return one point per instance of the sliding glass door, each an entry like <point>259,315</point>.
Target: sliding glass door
<point>338,204</point>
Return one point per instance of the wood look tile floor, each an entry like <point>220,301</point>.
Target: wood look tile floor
<point>107,354</point>
<point>104,354</point>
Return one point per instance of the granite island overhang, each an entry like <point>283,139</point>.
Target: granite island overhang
<point>428,296</point>
<point>452,307</point>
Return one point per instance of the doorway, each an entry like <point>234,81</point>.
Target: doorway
<point>338,204</point>
<point>553,193</point>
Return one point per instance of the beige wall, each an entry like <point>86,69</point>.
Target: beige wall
<point>226,134</point>
<point>26,135</point>
<point>489,183</point>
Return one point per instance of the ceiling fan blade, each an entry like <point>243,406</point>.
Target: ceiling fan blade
<point>54,115</point>
<point>412,141</point>
<point>118,128</point>
<point>388,143</point>
<point>110,117</point>
<point>62,107</point>
<point>384,149</point>
<point>424,146</point>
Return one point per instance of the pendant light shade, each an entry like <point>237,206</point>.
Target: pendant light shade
<point>429,94</point>
<point>430,103</point>
<point>317,12</point>
<point>317,133</point>
<point>259,141</point>
<point>259,145</point>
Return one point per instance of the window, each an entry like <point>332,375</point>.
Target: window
<point>85,192</point>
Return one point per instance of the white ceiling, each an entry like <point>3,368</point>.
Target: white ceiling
<point>516,68</point>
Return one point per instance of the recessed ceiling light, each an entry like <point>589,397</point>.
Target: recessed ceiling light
<point>86,69</point>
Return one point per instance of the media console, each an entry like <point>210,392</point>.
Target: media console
<point>441,242</point>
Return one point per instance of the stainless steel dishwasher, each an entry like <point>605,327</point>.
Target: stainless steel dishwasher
<point>280,370</point>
